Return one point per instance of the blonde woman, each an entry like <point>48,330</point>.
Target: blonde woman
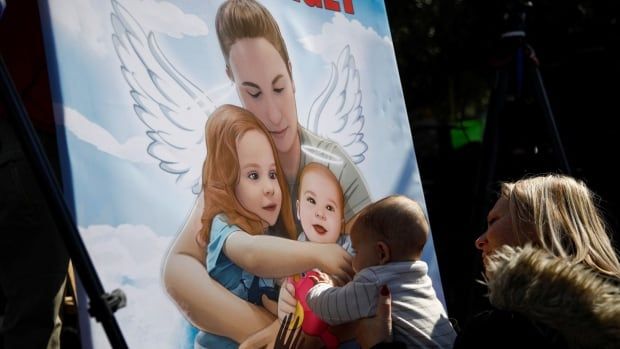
<point>552,272</point>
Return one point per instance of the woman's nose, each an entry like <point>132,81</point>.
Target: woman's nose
<point>481,241</point>
<point>273,112</point>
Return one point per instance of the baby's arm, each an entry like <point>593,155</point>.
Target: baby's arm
<point>274,257</point>
<point>338,305</point>
<point>201,299</point>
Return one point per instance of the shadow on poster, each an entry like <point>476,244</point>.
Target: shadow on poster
<point>134,83</point>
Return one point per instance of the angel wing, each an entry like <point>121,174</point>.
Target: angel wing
<point>336,113</point>
<point>172,108</point>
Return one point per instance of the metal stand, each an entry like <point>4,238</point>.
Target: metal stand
<point>516,73</point>
<point>102,305</point>
<point>518,67</point>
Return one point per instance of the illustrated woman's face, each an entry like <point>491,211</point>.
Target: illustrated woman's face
<point>257,188</point>
<point>265,88</point>
<point>319,207</point>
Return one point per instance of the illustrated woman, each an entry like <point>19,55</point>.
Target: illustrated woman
<point>258,64</point>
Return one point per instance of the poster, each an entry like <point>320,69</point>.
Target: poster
<point>133,83</point>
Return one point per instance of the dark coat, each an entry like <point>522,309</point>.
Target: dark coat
<point>543,301</point>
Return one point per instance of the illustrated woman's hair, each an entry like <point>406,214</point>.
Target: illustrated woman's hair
<point>241,19</point>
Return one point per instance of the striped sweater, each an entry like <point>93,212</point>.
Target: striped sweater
<point>419,319</point>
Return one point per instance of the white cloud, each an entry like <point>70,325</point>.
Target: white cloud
<point>386,129</point>
<point>129,257</point>
<point>366,44</point>
<point>88,21</point>
<point>84,20</point>
<point>134,149</point>
<point>166,18</point>
<point>375,60</point>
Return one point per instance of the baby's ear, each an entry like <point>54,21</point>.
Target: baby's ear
<point>298,212</point>
<point>384,252</point>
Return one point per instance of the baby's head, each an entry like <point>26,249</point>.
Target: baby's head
<point>320,204</point>
<point>392,229</point>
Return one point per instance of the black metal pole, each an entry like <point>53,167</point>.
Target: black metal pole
<point>99,307</point>
<point>543,100</point>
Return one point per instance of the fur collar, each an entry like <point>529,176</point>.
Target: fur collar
<point>572,299</point>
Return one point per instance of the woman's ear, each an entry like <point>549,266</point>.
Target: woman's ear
<point>384,252</point>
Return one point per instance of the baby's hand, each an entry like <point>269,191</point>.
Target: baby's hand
<point>322,278</point>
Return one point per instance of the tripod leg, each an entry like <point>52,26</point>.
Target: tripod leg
<point>60,211</point>
<point>543,100</point>
<point>490,142</point>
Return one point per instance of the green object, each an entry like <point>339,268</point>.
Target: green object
<point>465,132</point>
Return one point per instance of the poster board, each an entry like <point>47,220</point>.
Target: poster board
<point>133,82</point>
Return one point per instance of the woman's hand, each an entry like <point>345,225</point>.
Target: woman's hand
<point>287,303</point>
<point>262,338</point>
<point>377,329</point>
<point>287,338</point>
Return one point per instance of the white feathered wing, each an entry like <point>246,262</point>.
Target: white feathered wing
<point>173,109</point>
<point>336,113</point>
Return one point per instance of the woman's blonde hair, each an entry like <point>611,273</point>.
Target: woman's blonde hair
<point>220,173</point>
<point>239,19</point>
<point>563,216</point>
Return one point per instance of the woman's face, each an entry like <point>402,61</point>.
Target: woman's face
<point>499,230</point>
<point>257,189</point>
<point>265,88</point>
